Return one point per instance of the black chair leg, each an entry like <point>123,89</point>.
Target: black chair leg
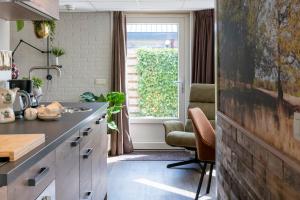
<point>209,179</point>
<point>182,163</point>
<point>203,170</point>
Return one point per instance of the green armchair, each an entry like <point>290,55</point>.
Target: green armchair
<point>178,134</point>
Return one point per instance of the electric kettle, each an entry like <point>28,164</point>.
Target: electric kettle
<point>22,102</point>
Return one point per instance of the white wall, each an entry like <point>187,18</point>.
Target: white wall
<point>4,35</point>
<point>86,38</point>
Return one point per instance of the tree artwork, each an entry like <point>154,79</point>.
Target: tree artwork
<point>259,68</point>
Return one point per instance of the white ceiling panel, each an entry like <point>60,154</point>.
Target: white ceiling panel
<point>117,5</point>
<point>80,6</point>
<point>136,5</point>
<point>196,4</point>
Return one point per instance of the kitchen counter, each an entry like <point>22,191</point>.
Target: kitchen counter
<point>56,132</point>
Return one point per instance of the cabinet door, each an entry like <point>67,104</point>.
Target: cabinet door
<point>99,162</point>
<point>67,169</point>
<point>33,181</point>
<point>86,172</point>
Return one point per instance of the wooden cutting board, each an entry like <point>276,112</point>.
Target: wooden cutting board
<point>14,146</point>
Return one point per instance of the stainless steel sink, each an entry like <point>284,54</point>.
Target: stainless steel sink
<point>76,109</point>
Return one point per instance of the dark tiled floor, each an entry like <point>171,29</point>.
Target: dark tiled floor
<point>151,180</point>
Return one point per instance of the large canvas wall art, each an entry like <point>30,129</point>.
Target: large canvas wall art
<point>259,69</point>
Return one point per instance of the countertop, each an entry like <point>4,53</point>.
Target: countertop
<point>56,132</point>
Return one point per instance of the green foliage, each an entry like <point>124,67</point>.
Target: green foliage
<point>115,100</point>
<point>37,82</point>
<point>56,51</point>
<point>88,97</point>
<point>158,70</point>
<point>20,25</point>
<point>50,23</point>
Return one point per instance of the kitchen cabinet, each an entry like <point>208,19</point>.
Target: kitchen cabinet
<point>99,168</point>
<point>71,165</point>
<point>29,10</point>
<point>93,160</point>
<point>33,182</point>
<point>67,169</point>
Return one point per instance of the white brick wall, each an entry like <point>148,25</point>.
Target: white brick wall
<point>4,35</point>
<point>86,37</point>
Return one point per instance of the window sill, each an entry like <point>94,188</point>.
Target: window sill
<point>145,120</point>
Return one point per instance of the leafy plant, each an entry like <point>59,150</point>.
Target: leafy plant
<point>115,100</point>
<point>157,71</point>
<point>50,23</point>
<point>20,25</point>
<point>37,82</point>
<point>56,51</point>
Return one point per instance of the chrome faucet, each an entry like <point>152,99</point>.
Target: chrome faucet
<point>46,68</point>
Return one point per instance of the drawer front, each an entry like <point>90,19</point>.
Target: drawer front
<point>67,169</point>
<point>34,181</point>
<point>87,134</point>
<point>86,172</point>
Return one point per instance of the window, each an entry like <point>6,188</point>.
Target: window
<point>153,70</point>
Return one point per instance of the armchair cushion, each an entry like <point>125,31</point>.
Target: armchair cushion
<point>173,126</point>
<point>181,139</point>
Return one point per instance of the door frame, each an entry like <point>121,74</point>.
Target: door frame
<point>149,133</point>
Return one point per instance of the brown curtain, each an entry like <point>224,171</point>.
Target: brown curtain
<point>120,142</point>
<point>203,49</point>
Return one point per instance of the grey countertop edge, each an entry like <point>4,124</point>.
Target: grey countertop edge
<point>41,151</point>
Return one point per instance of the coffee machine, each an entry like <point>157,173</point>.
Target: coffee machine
<point>26,86</point>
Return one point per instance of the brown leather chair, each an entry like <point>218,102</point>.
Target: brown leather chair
<point>205,144</point>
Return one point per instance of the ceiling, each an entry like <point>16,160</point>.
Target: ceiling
<point>136,5</point>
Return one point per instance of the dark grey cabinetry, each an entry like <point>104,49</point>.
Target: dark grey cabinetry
<point>32,183</point>
<point>93,160</point>
<point>67,169</point>
<point>81,163</point>
<point>99,162</point>
<point>70,165</point>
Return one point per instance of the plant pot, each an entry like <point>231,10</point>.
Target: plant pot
<point>38,93</point>
<point>56,61</point>
<point>41,30</point>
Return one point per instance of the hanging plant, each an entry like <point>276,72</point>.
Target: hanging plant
<point>42,29</point>
<point>20,25</point>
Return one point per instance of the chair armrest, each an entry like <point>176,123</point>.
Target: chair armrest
<point>173,126</point>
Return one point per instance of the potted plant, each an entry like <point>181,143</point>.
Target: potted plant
<point>57,52</point>
<point>42,29</point>
<point>115,100</point>
<point>37,84</point>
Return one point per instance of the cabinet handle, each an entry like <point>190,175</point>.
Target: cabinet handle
<point>47,198</point>
<point>88,195</point>
<point>76,141</point>
<point>87,153</point>
<point>37,179</point>
<point>100,119</point>
<point>87,131</point>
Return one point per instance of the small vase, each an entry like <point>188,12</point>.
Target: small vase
<point>38,93</point>
<point>56,61</point>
